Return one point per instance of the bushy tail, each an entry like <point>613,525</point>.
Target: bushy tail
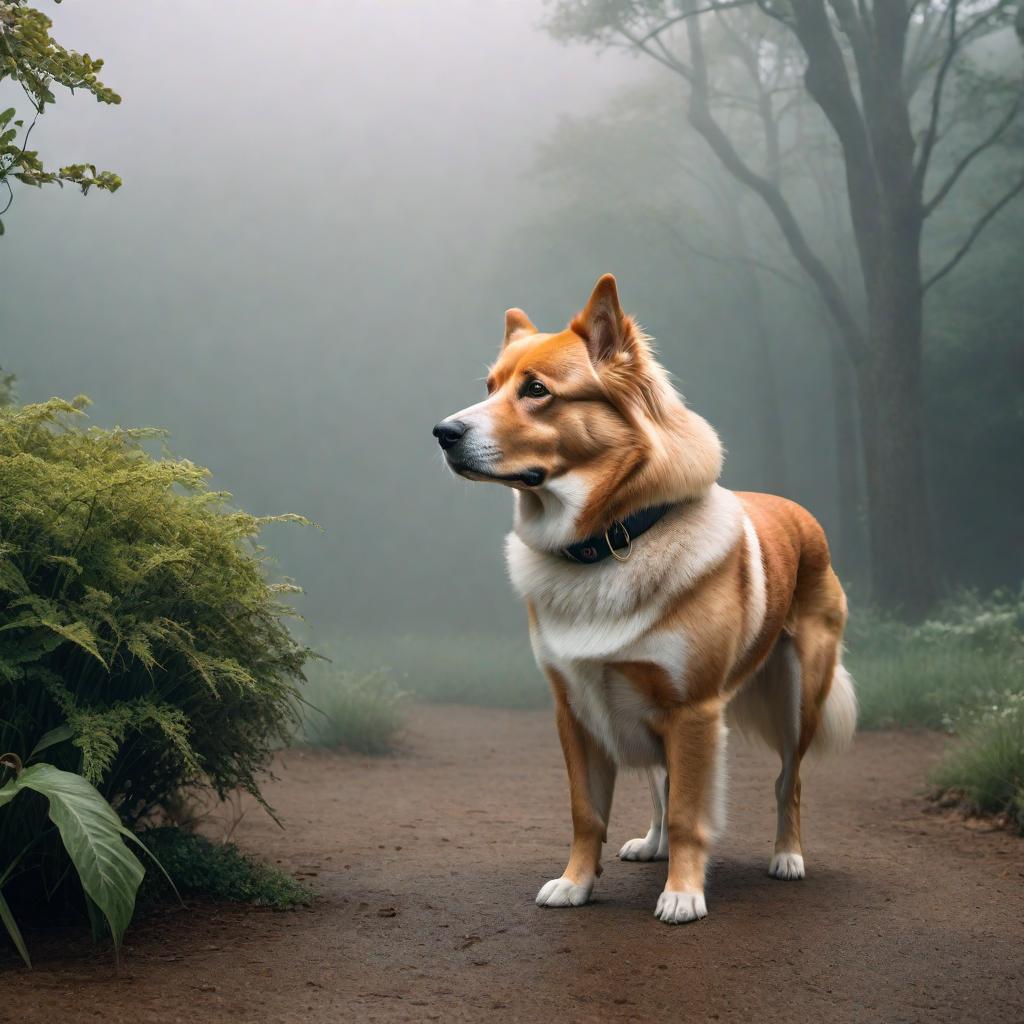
<point>838,720</point>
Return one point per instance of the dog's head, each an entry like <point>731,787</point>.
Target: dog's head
<point>583,423</point>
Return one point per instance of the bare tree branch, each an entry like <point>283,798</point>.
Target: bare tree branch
<point>921,57</point>
<point>855,30</point>
<point>829,85</point>
<point>665,58</point>
<point>725,6</point>
<point>968,158</point>
<point>704,122</point>
<point>954,45</point>
<point>972,237</point>
<point>931,132</point>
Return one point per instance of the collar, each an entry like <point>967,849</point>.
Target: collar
<point>620,535</point>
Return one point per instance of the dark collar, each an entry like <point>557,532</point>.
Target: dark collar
<point>617,538</point>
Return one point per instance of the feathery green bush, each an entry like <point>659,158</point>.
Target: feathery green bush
<point>140,638</point>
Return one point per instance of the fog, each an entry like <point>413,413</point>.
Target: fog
<point>327,208</point>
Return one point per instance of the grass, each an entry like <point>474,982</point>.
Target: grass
<point>984,772</point>
<point>929,685</point>
<point>942,673</point>
<point>351,711</point>
<point>489,670</point>
<point>963,672</point>
<point>220,871</point>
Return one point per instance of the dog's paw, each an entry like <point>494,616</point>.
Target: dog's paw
<point>563,892</point>
<point>647,848</point>
<point>680,907</point>
<point>788,866</point>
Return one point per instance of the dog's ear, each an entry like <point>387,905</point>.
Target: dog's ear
<point>602,324</point>
<point>517,325</point>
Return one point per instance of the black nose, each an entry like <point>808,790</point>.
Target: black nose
<point>449,432</point>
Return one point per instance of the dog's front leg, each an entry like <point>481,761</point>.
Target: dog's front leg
<point>694,738</point>
<point>591,782</point>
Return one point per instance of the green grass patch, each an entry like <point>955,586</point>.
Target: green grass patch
<point>985,770</point>
<point>963,672</point>
<point>199,867</point>
<point>351,711</point>
<point>929,685</point>
<point>967,659</point>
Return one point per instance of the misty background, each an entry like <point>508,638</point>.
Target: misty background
<point>326,210</point>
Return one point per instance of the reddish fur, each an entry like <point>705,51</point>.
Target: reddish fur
<point>608,395</point>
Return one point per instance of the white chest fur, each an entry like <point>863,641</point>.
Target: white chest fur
<point>590,617</point>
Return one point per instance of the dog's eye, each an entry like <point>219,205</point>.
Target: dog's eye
<point>534,389</point>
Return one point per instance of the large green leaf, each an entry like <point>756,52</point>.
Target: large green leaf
<point>93,837</point>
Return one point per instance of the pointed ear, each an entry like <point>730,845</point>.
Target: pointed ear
<point>517,325</point>
<point>602,324</point>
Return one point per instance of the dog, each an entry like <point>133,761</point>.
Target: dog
<point>661,605</point>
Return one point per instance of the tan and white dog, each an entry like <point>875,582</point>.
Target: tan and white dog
<point>658,601</point>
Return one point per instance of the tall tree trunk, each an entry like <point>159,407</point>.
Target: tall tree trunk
<point>892,412</point>
<point>872,125</point>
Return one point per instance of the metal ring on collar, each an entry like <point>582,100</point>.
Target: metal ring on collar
<point>611,547</point>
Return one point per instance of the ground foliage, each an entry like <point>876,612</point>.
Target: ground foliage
<point>199,867</point>
<point>942,673</point>
<point>351,711</point>
<point>962,671</point>
<point>140,638</point>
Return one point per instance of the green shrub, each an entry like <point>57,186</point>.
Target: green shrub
<point>356,712</point>
<point>137,626</point>
<point>221,871</point>
<point>986,768</point>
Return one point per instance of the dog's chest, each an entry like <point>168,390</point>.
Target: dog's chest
<point>606,702</point>
<point>586,620</point>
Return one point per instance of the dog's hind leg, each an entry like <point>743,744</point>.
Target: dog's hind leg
<point>819,707</point>
<point>788,861</point>
<point>654,845</point>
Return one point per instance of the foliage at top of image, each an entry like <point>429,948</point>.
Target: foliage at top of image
<point>138,629</point>
<point>30,56</point>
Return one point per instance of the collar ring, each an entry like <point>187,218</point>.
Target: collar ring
<point>611,546</point>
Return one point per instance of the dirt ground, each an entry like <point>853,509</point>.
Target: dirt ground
<point>427,864</point>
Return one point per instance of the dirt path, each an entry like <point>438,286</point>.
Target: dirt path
<point>428,865</point>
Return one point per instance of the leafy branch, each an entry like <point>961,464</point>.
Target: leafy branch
<point>30,56</point>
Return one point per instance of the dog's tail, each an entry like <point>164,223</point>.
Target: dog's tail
<point>768,706</point>
<point>838,720</point>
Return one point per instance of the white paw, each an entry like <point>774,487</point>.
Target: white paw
<point>680,907</point>
<point>648,848</point>
<point>786,865</point>
<point>563,892</point>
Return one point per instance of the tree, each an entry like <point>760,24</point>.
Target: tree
<point>30,56</point>
<point>877,73</point>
